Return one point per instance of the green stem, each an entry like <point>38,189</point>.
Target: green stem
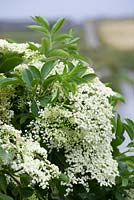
<point>50,42</point>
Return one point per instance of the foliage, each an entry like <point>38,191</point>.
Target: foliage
<point>56,46</point>
<point>58,119</point>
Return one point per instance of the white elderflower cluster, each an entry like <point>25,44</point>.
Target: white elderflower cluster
<point>12,47</point>
<point>84,131</point>
<point>29,157</point>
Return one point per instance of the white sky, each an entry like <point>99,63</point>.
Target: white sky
<point>75,9</point>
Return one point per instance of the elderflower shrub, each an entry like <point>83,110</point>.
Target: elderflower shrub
<point>28,157</point>
<point>59,137</point>
<point>84,131</point>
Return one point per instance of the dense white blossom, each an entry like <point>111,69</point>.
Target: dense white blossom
<point>84,131</point>
<point>29,157</point>
<point>82,128</point>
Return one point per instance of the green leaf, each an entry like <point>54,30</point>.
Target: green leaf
<point>129,131</point>
<point>10,63</point>
<point>89,77</point>
<point>42,21</point>
<point>129,160</point>
<point>8,81</point>
<point>45,100</point>
<point>130,128</point>
<point>73,87</point>
<point>46,69</point>
<point>78,80</point>
<point>49,81</point>
<point>45,46</point>
<point>64,178</point>
<point>36,82</point>
<point>55,96</point>
<point>70,66</point>
<point>34,108</point>
<point>115,143</point>
<point>78,70</point>
<point>58,53</point>
<point>80,57</point>
<point>27,77</point>
<point>115,99</point>
<point>65,70</point>
<point>119,128</point>
<point>5,157</point>
<point>36,76</point>
<point>67,87</point>
<point>131,164</point>
<point>131,144</point>
<point>26,192</point>
<point>5,197</point>
<point>61,37</point>
<point>108,84</point>
<point>25,179</point>
<point>74,40</point>
<point>34,71</point>
<point>32,46</point>
<point>57,25</point>
<point>38,28</point>
<point>3,183</point>
<point>120,97</point>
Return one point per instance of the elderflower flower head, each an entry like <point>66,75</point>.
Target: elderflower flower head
<point>28,157</point>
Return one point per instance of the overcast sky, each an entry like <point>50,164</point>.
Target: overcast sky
<point>75,9</point>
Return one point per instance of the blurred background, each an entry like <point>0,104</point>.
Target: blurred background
<point>106,29</point>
